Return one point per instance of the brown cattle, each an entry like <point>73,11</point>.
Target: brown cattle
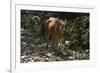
<point>55,29</point>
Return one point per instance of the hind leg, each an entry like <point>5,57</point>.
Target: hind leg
<point>48,42</point>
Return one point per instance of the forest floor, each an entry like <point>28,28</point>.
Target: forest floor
<point>33,49</point>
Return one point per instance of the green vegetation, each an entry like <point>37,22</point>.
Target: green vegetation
<point>34,38</point>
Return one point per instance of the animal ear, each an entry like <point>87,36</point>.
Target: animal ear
<point>48,21</point>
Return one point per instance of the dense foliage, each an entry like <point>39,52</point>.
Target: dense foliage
<point>34,38</point>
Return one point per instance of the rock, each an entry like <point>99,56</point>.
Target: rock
<point>49,54</point>
<point>71,58</point>
<point>67,42</point>
<point>23,56</point>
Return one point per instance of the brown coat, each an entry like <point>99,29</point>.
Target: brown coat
<point>55,29</point>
